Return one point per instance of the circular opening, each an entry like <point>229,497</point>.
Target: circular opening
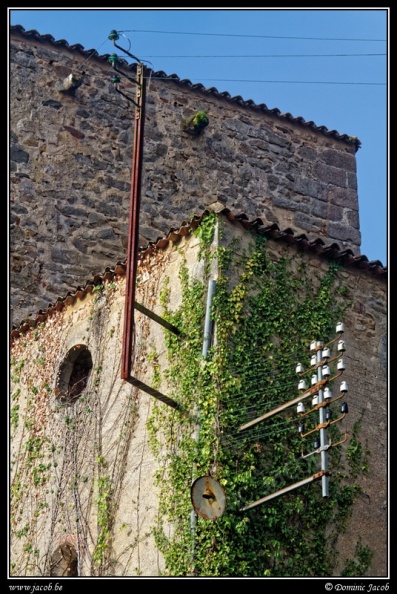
<point>63,561</point>
<point>73,374</point>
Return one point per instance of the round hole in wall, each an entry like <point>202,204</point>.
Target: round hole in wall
<point>73,374</point>
<point>63,562</point>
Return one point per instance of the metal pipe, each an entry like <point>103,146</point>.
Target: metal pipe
<point>152,391</point>
<point>208,324</point>
<point>150,314</point>
<point>310,479</point>
<point>133,234</point>
<point>208,329</point>
<point>323,431</point>
<point>270,413</point>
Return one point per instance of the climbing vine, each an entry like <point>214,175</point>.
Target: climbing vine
<point>66,479</point>
<point>265,319</point>
<point>68,474</point>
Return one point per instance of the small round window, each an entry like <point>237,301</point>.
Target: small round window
<point>73,374</point>
<point>63,561</point>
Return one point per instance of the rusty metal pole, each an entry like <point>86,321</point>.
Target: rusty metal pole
<point>133,224</point>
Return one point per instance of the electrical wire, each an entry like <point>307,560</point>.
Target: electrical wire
<point>271,56</point>
<point>251,36</point>
<point>93,53</point>
<point>287,82</point>
<point>265,56</point>
<point>247,411</point>
<point>260,430</point>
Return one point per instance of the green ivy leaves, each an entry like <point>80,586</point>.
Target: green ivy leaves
<point>265,322</point>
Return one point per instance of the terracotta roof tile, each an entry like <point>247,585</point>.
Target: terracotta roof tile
<point>332,251</point>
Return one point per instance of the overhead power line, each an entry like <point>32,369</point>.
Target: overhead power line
<point>277,56</point>
<point>249,36</point>
<point>287,82</point>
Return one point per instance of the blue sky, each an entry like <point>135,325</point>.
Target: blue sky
<point>329,66</point>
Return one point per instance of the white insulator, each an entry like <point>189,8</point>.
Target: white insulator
<point>326,371</point>
<point>302,385</point>
<point>326,353</point>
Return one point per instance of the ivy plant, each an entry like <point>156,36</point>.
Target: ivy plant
<point>264,322</point>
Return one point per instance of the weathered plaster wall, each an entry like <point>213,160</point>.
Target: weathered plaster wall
<point>114,415</point>
<point>60,453</point>
<point>70,169</point>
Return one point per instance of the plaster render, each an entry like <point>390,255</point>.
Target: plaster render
<point>114,416</point>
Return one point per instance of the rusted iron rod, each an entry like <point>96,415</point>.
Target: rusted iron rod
<point>133,224</point>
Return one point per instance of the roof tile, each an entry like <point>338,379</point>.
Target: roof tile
<point>332,251</point>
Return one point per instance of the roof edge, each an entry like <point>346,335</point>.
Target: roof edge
<point>262,107</point>
<point>331,252</point>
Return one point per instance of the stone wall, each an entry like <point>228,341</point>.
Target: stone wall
<point>366,374</point>
<point>366,337</point>
<point>70,168</point>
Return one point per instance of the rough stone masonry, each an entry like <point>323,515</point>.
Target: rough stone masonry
<point>71,162</point>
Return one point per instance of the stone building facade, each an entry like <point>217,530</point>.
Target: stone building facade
<point>70,166</point>
<point>70,182</point>
<point>65,453</point>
